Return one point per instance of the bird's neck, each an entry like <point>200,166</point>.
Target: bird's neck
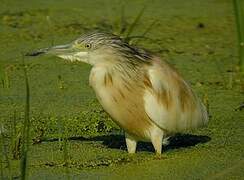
<point>114,62</point>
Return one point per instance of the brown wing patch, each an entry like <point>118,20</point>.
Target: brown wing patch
<point>185,97</point>
<point>147,81</point>
<point>108,79</point>
<point>163,96</point>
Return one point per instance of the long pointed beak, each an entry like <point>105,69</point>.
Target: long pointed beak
<point>55,50</point>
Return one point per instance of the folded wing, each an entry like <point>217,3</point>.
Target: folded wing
<point>169,101</point>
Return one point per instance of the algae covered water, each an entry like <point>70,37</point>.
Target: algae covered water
<point>71,136</point>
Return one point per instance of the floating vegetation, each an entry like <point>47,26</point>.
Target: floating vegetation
<point>23,19</point>
<point>69,136</point>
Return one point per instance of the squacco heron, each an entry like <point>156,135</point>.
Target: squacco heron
<point>141,92</point>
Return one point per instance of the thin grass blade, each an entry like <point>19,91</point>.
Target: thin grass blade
<point>135,22</point>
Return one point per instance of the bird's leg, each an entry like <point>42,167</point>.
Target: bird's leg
<point>157,144</point>
<point>130,143</point>
<point>157,140</point>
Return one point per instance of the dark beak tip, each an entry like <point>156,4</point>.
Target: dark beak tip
<point>35,53</point>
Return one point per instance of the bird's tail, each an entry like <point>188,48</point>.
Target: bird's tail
<point>201,119</point>
<point>204,112</point>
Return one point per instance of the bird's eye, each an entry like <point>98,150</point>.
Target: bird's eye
<point>88,46</point>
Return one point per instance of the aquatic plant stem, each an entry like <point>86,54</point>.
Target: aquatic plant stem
<point>239,15</point>
<point>26,128</point>
<point>135,22</point>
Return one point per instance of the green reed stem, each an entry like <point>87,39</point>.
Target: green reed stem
<point>26,129</point>
<point>122,19</point>
<point>135,22</point>
<point>239,14</point>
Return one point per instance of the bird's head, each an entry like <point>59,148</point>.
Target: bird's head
<point>90,48</point>
<point>95,48</point>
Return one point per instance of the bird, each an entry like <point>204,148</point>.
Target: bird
<point>142,92</point>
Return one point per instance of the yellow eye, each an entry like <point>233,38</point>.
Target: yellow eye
<point>88,46</point>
